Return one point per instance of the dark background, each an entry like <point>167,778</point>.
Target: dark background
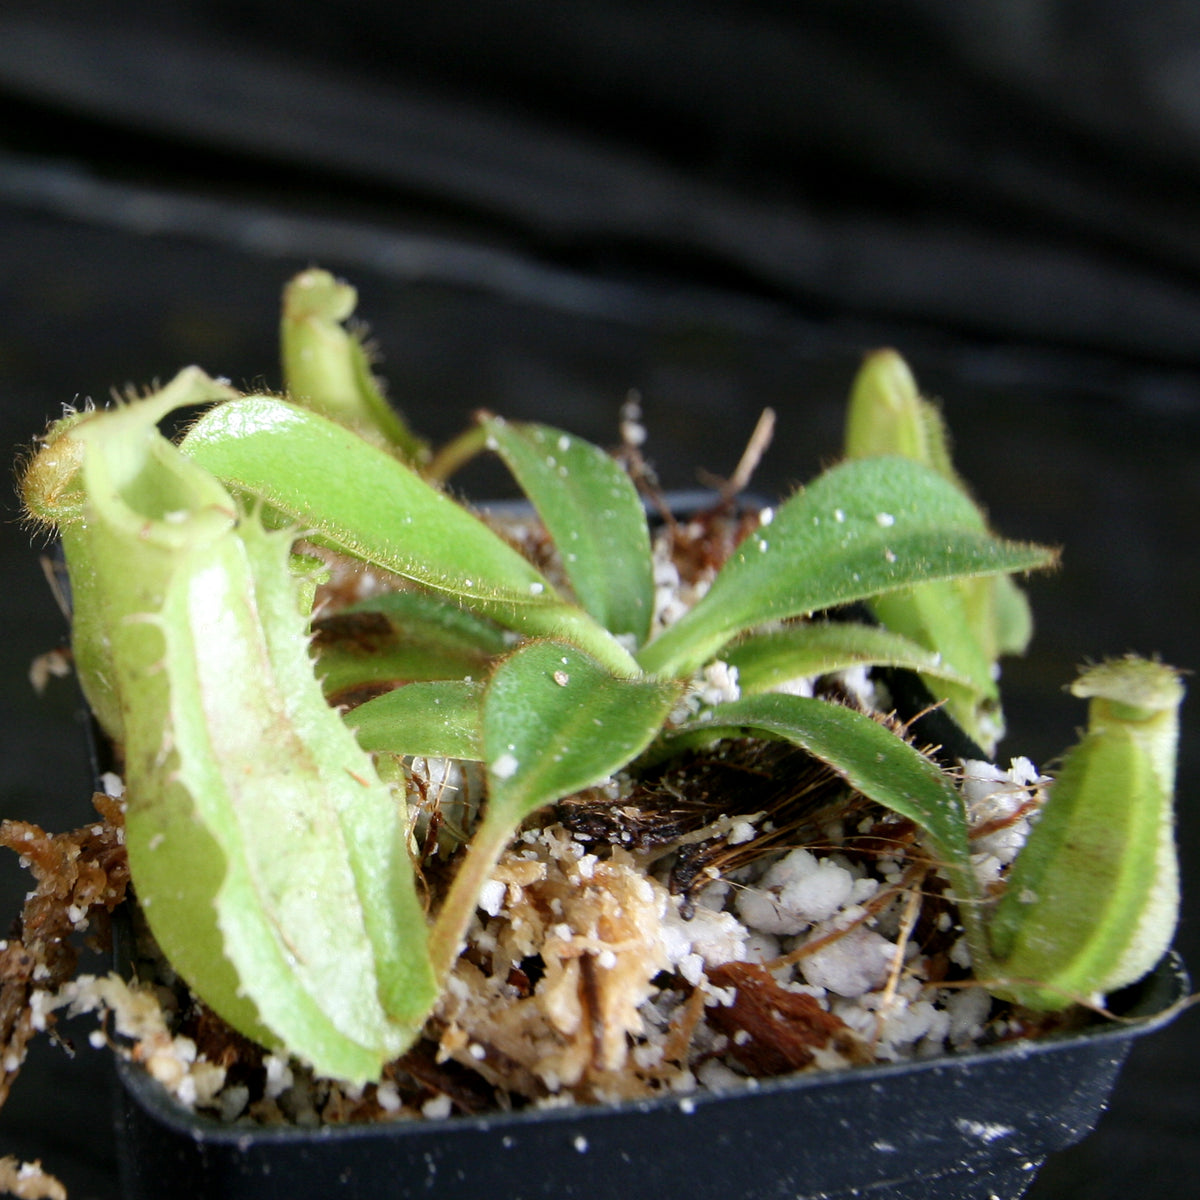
<point>722,205</point>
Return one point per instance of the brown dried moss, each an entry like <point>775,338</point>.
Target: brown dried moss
<point>80,878</point>
<point>772,1030</point>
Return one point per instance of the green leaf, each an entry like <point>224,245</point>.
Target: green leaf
<point>869,756</point>
<point>865,527</point>
<point>326,368</point>
<point>356,498</point>
<point>556,721</point>
<point>935,615</point>
<point>436,719</point>
<point>998,615</point>
<point>594,517</point>
<point>888,415</point>
<point>814,648</point>
<point>403,636</point>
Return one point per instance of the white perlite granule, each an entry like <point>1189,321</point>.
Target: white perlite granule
<point>855,963</point>
<point>1004,802</point>
<point>798,891</point>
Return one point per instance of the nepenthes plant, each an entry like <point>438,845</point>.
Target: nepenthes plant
<point>268,835</point>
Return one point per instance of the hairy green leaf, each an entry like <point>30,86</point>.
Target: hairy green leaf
<point>865,527</point>
<point>969,622</point>
<point>403,636</point>
<point>935,615</point>
<point>812,648</point>
<point>593,514</point>
<point>555,721</point>
<point>437,719</point>
<point>870,757</point>
<point>285,456</point>
<point>300,464</point>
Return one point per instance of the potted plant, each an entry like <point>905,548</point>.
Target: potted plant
<point>470,854</point>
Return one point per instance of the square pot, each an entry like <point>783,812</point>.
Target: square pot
<point>967,1126</point>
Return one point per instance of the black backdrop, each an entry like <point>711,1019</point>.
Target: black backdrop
<point>722,205</point>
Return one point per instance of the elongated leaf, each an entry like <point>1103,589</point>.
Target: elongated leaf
<point>936,616</point>
<point>355,497</point>
<point>872,760</point>
<point>865,527</point>
<point>437,719</point>
<point>358,498</point>
<point>555,721</point>
<point>592,512</point>
<point>403,636</point>
<point>812,648</point>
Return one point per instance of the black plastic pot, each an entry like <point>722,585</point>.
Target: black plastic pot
<point>963,1127</point>
<point>966,1127</point>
